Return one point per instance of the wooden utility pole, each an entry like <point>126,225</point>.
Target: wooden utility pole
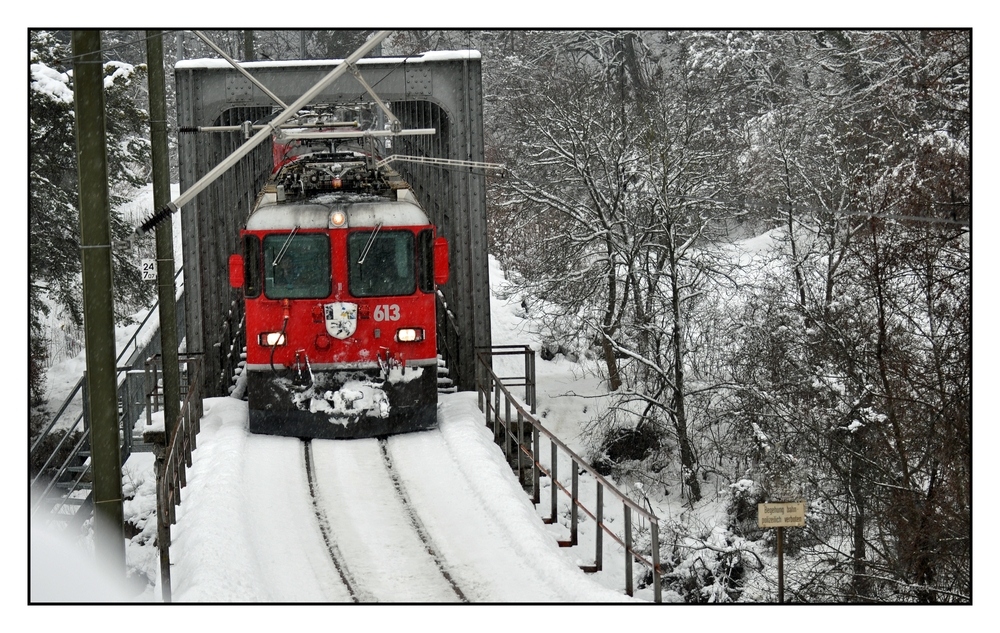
<point>98,312</point>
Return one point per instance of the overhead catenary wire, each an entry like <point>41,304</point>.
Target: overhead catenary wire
<point>260,136</point>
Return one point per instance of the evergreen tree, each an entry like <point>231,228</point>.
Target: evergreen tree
<point>53,213</point>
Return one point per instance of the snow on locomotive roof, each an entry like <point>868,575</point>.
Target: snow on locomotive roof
<point>429,56</point>
<point>362,211</point>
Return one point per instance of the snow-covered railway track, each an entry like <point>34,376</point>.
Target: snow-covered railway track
<point>432,516</point>
<point>282,548</point>
<point>374,536</point>
<point>324,524</point>
<point>415,520</point>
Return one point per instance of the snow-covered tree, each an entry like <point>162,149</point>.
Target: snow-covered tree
<point>619,157</point>
<point>54,255</point>
<point>872,233</point>
<point>834,373</point>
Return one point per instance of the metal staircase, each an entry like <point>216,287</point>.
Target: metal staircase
<point>59,471</point>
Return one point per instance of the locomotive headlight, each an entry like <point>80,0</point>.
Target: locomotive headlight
<point>271,339</point>
<point>410,335</point>
<point>338,219</point>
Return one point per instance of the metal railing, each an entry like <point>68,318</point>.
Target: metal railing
<point>449,342</point>
<point>173,454</point>
<point>511,432</point>
<point>233,334</point>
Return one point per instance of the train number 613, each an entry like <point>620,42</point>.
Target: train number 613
<point>386,312</point>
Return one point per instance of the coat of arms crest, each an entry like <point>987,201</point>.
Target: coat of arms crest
<point>341,318</point>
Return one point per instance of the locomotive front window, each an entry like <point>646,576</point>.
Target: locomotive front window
<point>297,266</point>
<point>381,263</point>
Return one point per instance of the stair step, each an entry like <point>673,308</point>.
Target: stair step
<point>53,502</point>
<point>80,485</point>
<point>82,510</point>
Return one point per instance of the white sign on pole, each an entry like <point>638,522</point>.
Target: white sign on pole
<point>148,268</point>
<point>781,515</point>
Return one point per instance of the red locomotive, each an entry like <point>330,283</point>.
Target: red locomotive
<point>339,272</point>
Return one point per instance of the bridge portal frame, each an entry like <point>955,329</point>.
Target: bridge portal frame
<point>442,90</point>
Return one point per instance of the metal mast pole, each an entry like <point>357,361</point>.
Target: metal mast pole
<point>98,317</point>
<point>164,231</point>
<point>248,52</point>
<point>164,269</point>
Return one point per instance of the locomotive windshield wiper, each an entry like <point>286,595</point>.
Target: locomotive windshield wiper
<point>368,246</point>
<point>284,247</point>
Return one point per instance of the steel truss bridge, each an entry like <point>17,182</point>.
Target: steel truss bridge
<point>432,107</point>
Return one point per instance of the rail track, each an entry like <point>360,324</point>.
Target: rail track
<point>373,535</point>
<point>425,517</point>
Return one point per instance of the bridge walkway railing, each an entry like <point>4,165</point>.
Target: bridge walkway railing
<point>518,432</point>
<point>174,453</point>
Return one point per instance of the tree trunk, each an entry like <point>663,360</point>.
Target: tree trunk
<point>859,580</point>
<point>607,327</point>
<point>680,417</point>
<point>800,284</point>
<point>614,377</point>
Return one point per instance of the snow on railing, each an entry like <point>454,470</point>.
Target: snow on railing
<point>510,433</point>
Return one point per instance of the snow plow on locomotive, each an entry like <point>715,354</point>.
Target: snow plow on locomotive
<point>339,269</point>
